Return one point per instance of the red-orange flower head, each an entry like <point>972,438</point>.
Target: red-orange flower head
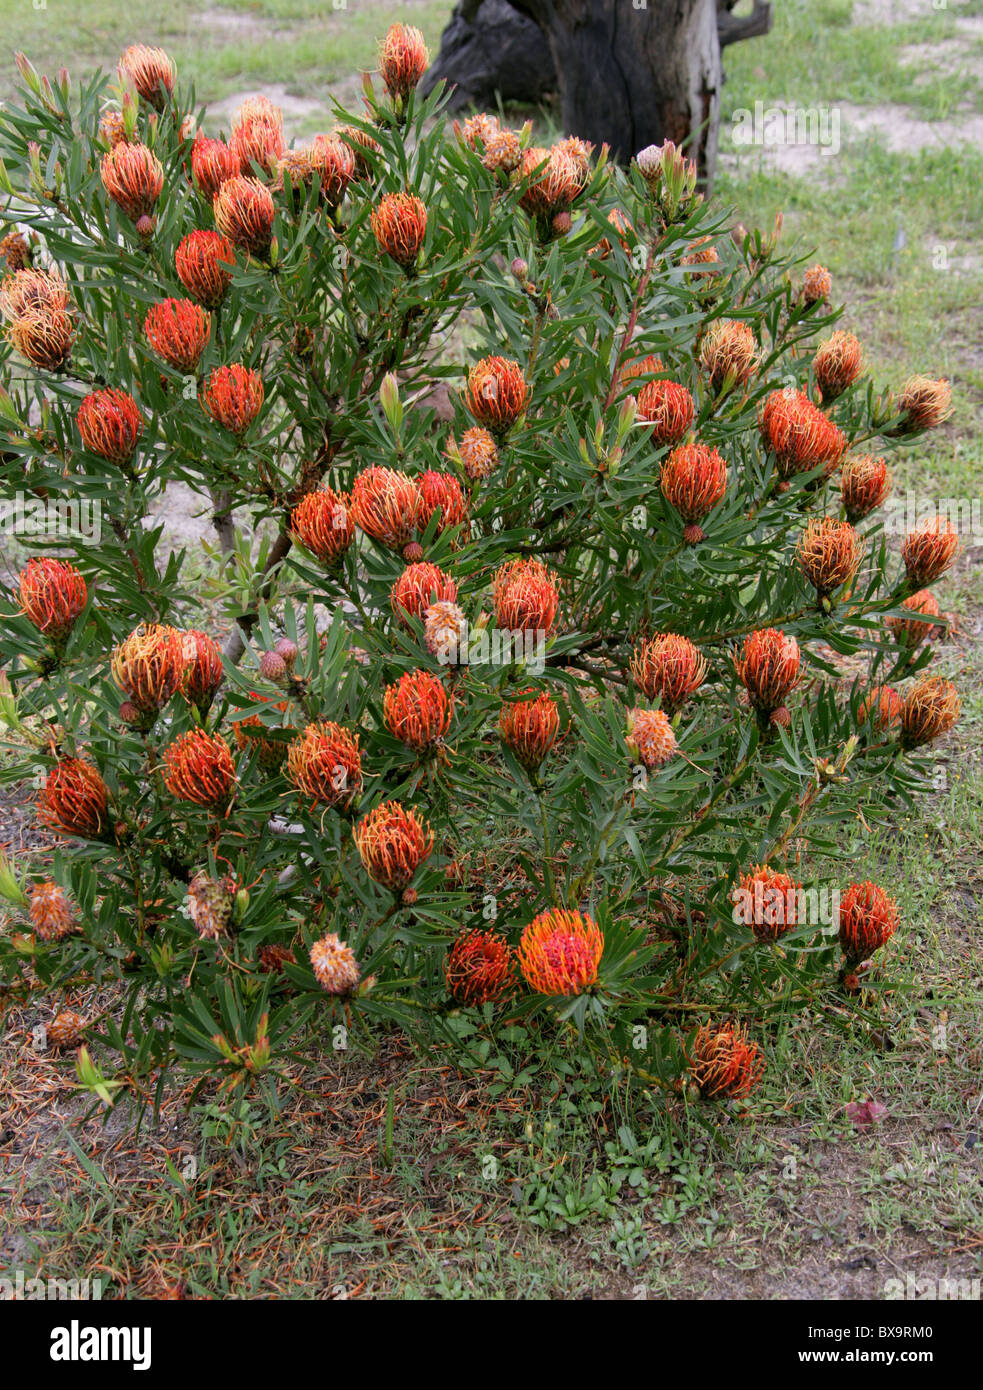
<point>52,595</point>
<point>250,735</point>
<point>110,424</point>
<point>868,919</point>
<point>496,393</point>
<point>335,165</point>
<point>554,180</point>
<point>417,710</point>
<point>641,367</point>
<point>243,209</point>
<point>35,304</point>
<point>203,669</point>
<point>478,453</point>
<point>479,968</point>
<point>322,523</point>
<point>15,254</point>
<point>204,261</point>
<point>828,553</point>
<point>151,71</point>
<point>392,844</point>
<point>257,136</point>
<point>441,491</point>
<point>668,407</point>
<point>399,223</point>
<point>817,285</point>
<point>525,596</point>
<point>149,665</point>
<point>403,59</point>
<point>133,177</point>
<point>865,483</point>
<point>198,767</point>
<point>529,728</point>
<point>669,669</point>
<point>924,403</point>
<point>233,397</point>
<point>334,965</point>
<point>212,164</point>
<point>417,588</point>
<point>178,330</point>
<point>560,951</point>
<point>798,433</point>
<point>728,354</point>
<point>911,632</point>
<point>325,764</point>
<point>882,705</point>
<point>51,912</point>
<point>724,1063</point>
<point>29,291</point>
<point>930,710</point>
<point>693,481</point>
<point>767,902</point>
<point>386,505</point>
<point>768,667</point>
<point>650,737</point>
<point>74,799</point>
<point>837,364</point>
<point>929,550</point>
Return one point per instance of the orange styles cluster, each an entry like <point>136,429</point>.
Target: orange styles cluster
<point>178,330</point>
<point>530,728</point>
<point>560,952</point>
<point>768,668</point>
<point>403,60</point>
<point>323,524</point>
<point>724,1062</point>
<point>110,424</point>
<point>392,843</point>
<point>39,322</point>
<point>496,393</point>
<point>399,224</point>
<point>868,919</point>
<point>798,433</point>
<point>325,765</point>
<point>479,968</point>
<point>52,595</point>
<point>204,261</point>
<point>417,710</point>
<point>693,481</point>
<point>233,397</point>
<point>669,668</point>
<point>198,767</point>
<point>75,799</point>
<point>525,596</point>
<point>829,553</point>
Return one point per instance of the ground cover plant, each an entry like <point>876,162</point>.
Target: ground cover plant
<point>602,606</point>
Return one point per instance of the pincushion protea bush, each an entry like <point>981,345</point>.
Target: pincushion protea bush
<point>490,711</point>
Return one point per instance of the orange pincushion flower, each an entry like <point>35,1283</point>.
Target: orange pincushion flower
<point>418,710</point>
<point>724,1062</point>
<point>767,902</point>
<point>14,250</point>
<point>35,303</point>
<point>51,912</point>
<point>911,632</point>
<point>204,261</point>
<point>529,728</point>
<point>403,59</point>
<point>837,364</point>
<point>650,737</point>
<point>198,767</point>
<point>244,211</point>
<point>668,407</point>
<point>828,553</point>
<point>768,667</point>
<point>929,550</point>
<point>110,424</point>
<point>478,452</point>
<point>924,403</point>
<point>560,951</point>
<point>323,524</point>
<point>74,799</point>
<point>640,367</point>
<point>52,595</point>
<point>669,668</point>
<point>334,965</point>
<point>930,710</point>
<point>151,71</point>
<point>178,330</point>
<point>864,485</point>
<point>334,164</point>
<point>233,397</point>
<point>443,491</point>
<point>798,433</point>
<point>133,177</point>
<point>417,588</point>
<point>325,764</point>
<point>385,505</point>
<point>479,968</point>
<point>445,632</point>
<point>525,596</point>
<point>728,354</point>
<point>882,705</point>
<point>503,150</point>
<point>554,180</point>
<point>817,284</point>
<point>392,844</point>
<point>251,736</point>
<point>399,223</point>
<point>868,919</point>
<point>212,163</point>
<point>496,394</point>
<point>149,665</point>
<point>32,291</point>
<point>693,481</point>
<point>203,669</point>
<point>257,136</point>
